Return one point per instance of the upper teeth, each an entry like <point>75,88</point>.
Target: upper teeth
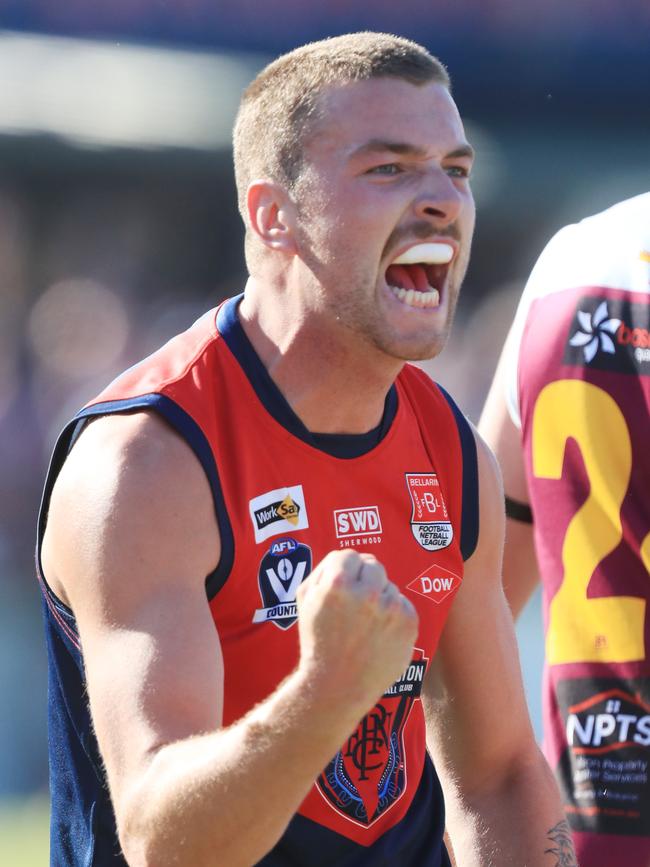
<point>431,254</point>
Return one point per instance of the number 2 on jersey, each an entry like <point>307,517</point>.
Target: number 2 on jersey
<point>580,629</point>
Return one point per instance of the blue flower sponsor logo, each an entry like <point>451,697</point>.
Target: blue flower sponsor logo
<point>596,332</point>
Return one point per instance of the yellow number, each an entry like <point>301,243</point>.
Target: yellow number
<point>608,629</point>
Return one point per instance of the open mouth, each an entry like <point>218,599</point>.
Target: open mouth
<point>417,276</point>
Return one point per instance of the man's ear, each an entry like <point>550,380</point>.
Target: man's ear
<point>271,215</point>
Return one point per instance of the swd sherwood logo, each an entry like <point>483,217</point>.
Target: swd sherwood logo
<point>368,774</point>
<point>282,570</point>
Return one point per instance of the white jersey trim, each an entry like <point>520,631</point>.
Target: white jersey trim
<point>610,249</point>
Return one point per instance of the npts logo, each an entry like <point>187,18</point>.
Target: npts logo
<point>608,721</point>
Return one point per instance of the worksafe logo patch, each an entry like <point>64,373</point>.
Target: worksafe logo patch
<point>280,511</point>
<point>430,522</point>
<point>282,570</point>
<point>435,584</point>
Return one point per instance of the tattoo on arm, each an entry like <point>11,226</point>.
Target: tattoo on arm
<point>562,848</point>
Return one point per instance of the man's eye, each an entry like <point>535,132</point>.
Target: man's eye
<point>385,169</point>
<point>458,172</point>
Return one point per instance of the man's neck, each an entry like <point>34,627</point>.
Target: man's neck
<point>332,382</point>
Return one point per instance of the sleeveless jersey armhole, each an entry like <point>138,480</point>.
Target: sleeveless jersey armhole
<point>469,527</point>
<point>189,430</point>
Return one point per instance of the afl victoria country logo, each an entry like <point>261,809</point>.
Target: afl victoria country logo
<point>283,569</point>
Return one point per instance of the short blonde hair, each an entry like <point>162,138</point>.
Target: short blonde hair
<point>277,108</point>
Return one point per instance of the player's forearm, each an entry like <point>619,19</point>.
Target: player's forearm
<point>518,820</point>
<point>227,797</point>
<point>520,572</point>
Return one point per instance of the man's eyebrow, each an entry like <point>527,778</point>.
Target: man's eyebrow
<point>377,145</point>
<point>465,150</point>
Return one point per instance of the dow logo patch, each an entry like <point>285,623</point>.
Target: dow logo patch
<point>278,511</point>
<point>430,522</point>
<point>435,584</point>
<point>283,569</point>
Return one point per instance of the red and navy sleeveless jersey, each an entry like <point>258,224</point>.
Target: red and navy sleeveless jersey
<point>584,402</point>
<point>284,497</point>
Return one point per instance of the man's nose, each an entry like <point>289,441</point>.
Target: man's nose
<point>440,202</point>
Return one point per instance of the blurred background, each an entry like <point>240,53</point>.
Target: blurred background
<point>118,224</point>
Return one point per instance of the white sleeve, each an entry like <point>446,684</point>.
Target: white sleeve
<point>607,249</point>
<point>550,274</point>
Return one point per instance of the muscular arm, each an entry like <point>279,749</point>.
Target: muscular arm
<point>520,574</point>
<point>503,808</point>
<point>131,536</point>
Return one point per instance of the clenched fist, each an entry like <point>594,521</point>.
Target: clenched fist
<point>357,630</point>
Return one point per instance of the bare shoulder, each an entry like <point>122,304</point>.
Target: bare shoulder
<point>489,470</point>
<point>131,494</point>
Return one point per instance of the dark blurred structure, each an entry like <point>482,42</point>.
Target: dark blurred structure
<point>118,220</point>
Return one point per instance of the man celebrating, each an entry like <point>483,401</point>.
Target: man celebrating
<point>271,551</point>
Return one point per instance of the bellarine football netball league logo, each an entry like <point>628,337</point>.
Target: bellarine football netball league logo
<point>430,522</point>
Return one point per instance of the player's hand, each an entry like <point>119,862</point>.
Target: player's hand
<point>357,630</point>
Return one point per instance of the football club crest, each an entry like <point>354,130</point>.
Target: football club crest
<point>430,522</point>
<point>282,570</point>
<point>368,774</point>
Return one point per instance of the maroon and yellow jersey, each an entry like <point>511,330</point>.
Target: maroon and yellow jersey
<point>406,492</point>
<point>583,398</point>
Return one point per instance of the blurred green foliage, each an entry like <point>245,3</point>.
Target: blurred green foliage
<point>24,832</point>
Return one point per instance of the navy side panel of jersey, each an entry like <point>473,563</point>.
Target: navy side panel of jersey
<point>81,810</point>
<point>469,528</point>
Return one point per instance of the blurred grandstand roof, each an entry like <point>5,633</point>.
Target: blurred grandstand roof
<point>101,93</point>
<point>498,50</point>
